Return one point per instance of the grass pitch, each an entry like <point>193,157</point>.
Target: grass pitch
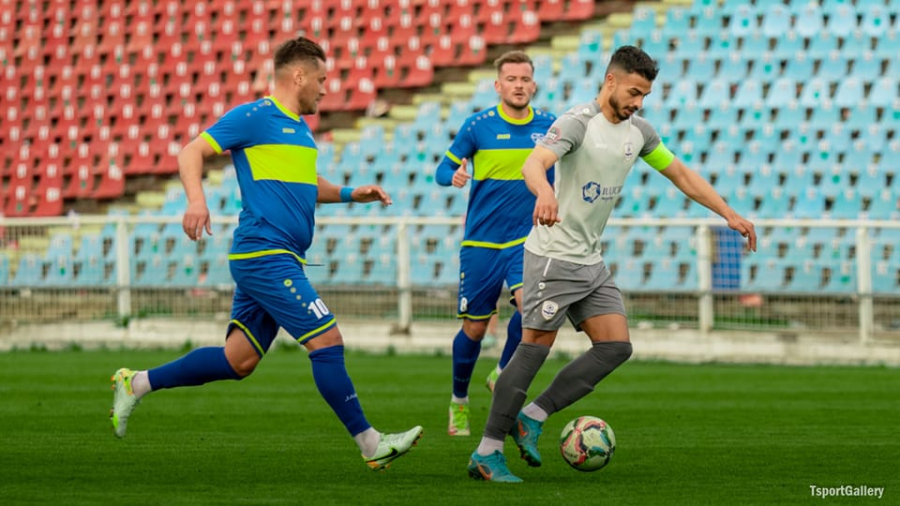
<point>687,434</point>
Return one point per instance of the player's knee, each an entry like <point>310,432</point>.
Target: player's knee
<point>245,366</point>
<point>475,329</point>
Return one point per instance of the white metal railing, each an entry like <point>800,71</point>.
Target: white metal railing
<point>704,292</point>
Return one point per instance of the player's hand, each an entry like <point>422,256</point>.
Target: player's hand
<point>196,218</point>
<point>745,228</point>
<point>546,210</point>
<point>371,193</point>
<point>461,177</point>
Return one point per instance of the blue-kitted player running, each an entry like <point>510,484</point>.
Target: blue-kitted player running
<point>496,141</point>
<point>274,155</point>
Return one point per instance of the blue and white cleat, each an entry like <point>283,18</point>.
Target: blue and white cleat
<point>491,468</point>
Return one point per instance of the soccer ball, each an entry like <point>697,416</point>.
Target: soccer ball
<point>587,443</point>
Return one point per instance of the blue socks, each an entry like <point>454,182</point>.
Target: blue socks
<point>200,366</point>
<point>513,338</point>
<point>465,354</point>
<point>330,375</point>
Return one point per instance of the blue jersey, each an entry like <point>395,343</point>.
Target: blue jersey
<point>500,204</point>
<point>274,155</point>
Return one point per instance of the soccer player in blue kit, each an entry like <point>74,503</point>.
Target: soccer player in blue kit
<point>274,155</point>
<point>497,141</point>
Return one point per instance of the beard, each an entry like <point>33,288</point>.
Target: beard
<point>621,113</point>
<point>519,104</point>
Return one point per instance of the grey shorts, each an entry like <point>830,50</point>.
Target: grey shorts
<point>553,290</point>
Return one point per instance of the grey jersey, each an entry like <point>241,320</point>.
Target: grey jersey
<point>595,157</point>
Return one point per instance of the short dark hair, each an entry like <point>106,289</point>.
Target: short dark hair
<point>633,60</point>
<point>299,49</point>
<point>513,57</point>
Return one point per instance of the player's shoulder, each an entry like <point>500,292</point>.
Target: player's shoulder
<point>544,116</point>
<point>478,118</point>
<point>644,126</point>
<point>249,108</point>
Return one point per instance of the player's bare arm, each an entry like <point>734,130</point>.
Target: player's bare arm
<point>330,193</point>
<point>190,169</point>
<point>534,170</point>
<point>699,190</point>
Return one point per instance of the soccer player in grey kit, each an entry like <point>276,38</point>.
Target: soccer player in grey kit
<point>594,147</point>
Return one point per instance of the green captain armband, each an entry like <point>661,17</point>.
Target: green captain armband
<point>660,157</point>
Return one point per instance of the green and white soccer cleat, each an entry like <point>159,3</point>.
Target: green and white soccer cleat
<point>459,420</point>
<point>525,433</point>
<point>392,446</point>
<point>491,468</point>
<point>492,379</point>
<point>124,401</point>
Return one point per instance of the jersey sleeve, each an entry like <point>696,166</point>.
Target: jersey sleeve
<point>464,144</point>
<point>234,130</point>
<point>654,152</point>
<point>566,133</point>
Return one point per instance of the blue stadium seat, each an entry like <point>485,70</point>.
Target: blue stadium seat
<point>29,271</point>
<point>834,182</point>
<point>691,44</point>
<point>218,272</point>
<point>742,201</point>
<point>841,277</point>
<point>810,204</point>
<point>678,21</point>
<point>716,93</point>
<point>701,68</point>
<point>789,46</point>
<point>815,93</point>
<point>883,206</point>
<point>383,271</point>
<point>763,180</point>
<point>776,21</point>
<point>634,202</point>
<point>60,245</point>
<point>723,116</point>
<point>643,20</point>
<point>788,158</point>
<point>833,68</point>
<point>630,275</point>
<point>798,180</point>
<point>743,20</point>
<point>4,270</point>
<point>92,271</point>
<point>870,181</point>
<point>885,277</point>
<point>883,93</point>
<point>782,93</point>
<point>774,204</point>
<point>59,272</point>
<point>809,20</point>
<point>875,20</point>
<point>749,94</point>
<point>822,45</point>
<point>733,67</point>
<point>806,276</point>
<point>762,274</point>
<point>842,20</point>
<point>765,68</point>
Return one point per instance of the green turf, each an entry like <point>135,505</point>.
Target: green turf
<point>687,434</point>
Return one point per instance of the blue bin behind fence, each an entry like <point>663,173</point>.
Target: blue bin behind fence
<point>726,267</point>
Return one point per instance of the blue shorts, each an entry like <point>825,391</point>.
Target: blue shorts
<point>273,291</point>
<point>482,272</point>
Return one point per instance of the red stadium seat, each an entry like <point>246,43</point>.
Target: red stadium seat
<point>526,27</point>
<point>111,180</point>
<point>335,97</point>
<point>18,202</point>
